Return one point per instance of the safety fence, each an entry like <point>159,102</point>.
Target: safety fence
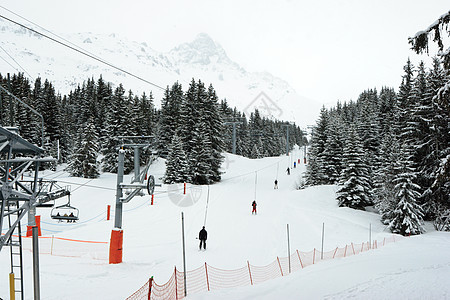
<point>207,278</point>
<point>58,246</point>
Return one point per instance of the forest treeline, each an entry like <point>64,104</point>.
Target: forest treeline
<point>87,126</point>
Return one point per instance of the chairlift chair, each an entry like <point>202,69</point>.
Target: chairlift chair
<point>65,212</point>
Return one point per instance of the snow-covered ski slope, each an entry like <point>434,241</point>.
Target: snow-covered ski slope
<point>414,268</point>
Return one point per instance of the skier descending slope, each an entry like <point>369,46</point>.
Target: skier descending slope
<point>202,236</point>
<point>254,207</point>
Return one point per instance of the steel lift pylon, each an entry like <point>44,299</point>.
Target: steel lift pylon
<point>17,200</point>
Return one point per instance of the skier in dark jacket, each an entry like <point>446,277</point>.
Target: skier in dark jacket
<point>202,236</point>
<point>254,207</point>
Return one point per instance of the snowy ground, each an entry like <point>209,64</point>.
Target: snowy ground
<point>413,268</point>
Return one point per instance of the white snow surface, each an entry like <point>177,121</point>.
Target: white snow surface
<point>412,268</point>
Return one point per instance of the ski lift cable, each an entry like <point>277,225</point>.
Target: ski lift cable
<point>278,167</point>
<point>46,30</point>
<point>206,209</point>
<point>10,64</point>
<point>249,173</point>
<point>256,182</point>
<point>87,185</point>
<point>16,62</point>
<point>162,192</point>
<point>83,52</point>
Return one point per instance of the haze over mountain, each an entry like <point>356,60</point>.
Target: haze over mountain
<point>203,58</point>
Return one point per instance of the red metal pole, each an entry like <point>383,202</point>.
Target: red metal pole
<point>335,251</point>
<point>250,273</point>
<point>184,192</point>
<point>176,283</point>
<point>299,259</point>
<point>152,199</point>
<point>207,279</point>
<point>150,282</point>
<point>281,270</point>
<point>108,212</point>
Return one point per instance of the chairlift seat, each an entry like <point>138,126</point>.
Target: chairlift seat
<point>65,212</point>
<point>67,218</point>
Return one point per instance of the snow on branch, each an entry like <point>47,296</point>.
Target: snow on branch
<point>420,41</point>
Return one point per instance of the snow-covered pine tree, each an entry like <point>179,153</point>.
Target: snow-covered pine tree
<point>333,150</point>
<point>440,188</point>
<point>441,146</point>
<point>407,215</point>
<point>421,129</point>
<point>104,96</point>
<point>177,167</point>
<point>315,172</point>
<point>243,138</point>
<point>384,176</point>
<point>50,112</point>
<point>83,162</point>
<point>114,122</point>
<point>190,114</point>
<point>355,189</point>
<point>387,107</point>
<point>369,128</point>
<point>214,127</point>
<point>403,97</point>
<point>200,156</point>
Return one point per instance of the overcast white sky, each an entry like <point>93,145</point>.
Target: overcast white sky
<point>326,50</point>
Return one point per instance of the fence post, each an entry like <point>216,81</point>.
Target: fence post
<point>184,191</point>
<point>152,200</point>
<point>299,259</point>
<point>51,247</point>
<point>353,248</point>
<point>314,255</point>
<point>323,234</point>
<point>345,251</point>
<point>384,240</point>
<point>207,279</point>
<point>176,283</point>
<point>281,270</point>
<point>289,248</point>
<point>184,254</point>
<point>150,282</point>
<point>334,254</point>
<point>250,273</point>
<point>108,212</point>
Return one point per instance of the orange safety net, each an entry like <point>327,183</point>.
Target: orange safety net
<point>65,247</point>
<point>207,278</point>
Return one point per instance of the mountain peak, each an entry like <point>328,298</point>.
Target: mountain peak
<point>204,42</point>
<point>202,50</point>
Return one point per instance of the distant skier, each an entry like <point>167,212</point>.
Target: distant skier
<point>295,164</point>
<point>254,207</point>
<point>202,236</point>
<point>276,185</point>
<point>288,171</point>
